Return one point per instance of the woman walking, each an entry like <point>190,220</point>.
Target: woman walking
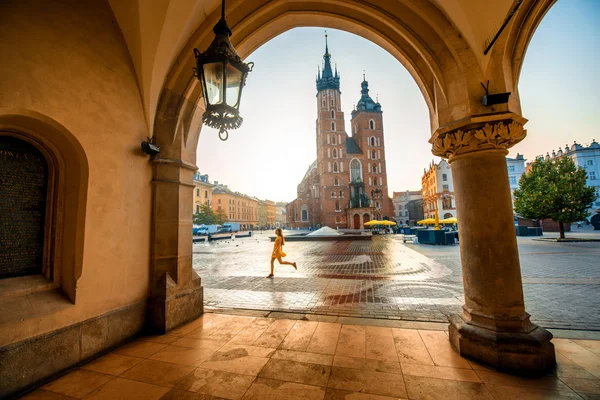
<point>278,252</point>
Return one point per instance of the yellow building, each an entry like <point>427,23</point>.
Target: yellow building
<point>270,213</point>
<point>237,207</point>
<point>438,191</point>
<point>202,191</point>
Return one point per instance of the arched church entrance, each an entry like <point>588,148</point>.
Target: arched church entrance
<point>472,136</point>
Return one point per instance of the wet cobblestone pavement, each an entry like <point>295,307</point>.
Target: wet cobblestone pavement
<point>385,278</point>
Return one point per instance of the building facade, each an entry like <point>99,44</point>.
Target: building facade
<point>202,191</point>
<point>587,157</point>
<point>408,207</point>
<point>438,191</point>
<point>237,207</point>
<point>516,168</point>
<point>347,184</point>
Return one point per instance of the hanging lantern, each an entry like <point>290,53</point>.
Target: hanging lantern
<point>222,75</point>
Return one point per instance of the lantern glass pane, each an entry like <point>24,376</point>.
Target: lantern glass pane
<point>213,75</point>
<point>234,85</point>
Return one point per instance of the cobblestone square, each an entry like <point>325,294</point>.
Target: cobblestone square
<point>386,278</point>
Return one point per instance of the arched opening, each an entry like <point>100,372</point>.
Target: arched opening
<point>372,124</point>
<point>357,221</point>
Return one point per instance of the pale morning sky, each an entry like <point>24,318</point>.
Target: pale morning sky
<point>268,156</point>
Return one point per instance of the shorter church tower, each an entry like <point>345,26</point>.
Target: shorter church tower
<point>367,132</point>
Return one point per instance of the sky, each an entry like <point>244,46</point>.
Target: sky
<point>268,156</point>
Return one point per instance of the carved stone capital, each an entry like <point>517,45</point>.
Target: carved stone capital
<point>495,135</point>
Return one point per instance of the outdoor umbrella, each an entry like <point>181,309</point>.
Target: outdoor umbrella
<point>426,221</point>
<point>387,222</point>
<point>372,222</point>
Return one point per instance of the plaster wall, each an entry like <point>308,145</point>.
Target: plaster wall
<point>67,61</point>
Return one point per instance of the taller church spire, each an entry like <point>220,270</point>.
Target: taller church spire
<point>327,79</point>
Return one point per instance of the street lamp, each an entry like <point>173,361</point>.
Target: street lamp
<point>222,74</point>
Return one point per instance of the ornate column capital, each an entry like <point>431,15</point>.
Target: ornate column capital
<point>477,136</point>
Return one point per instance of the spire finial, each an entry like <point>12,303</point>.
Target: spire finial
<point>326,45</point>
<point>364,79</point>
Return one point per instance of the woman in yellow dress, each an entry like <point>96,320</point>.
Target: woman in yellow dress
<point>278,253</point>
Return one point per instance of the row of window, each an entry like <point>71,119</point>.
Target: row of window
<point>332,98</point>
<point>334,139</point>
<point>198,193</point>
<point>373,168</point>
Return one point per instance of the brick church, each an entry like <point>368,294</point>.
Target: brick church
<point>346,185</point>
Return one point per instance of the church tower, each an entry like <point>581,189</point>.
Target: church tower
<point>367,131</point>
<point>331,144</point>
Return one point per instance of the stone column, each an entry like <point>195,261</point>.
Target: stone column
<point>493,328</point>
<point>176,294</point>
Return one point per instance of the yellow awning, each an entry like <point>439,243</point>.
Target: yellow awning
<point>385,222</point>
<point>372,222</point>
<point>451,220</point>
<point>426,221</point>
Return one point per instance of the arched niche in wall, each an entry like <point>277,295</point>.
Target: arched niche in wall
<point>56,201</point>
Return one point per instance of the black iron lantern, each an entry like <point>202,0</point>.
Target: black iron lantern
<point>222,74</point>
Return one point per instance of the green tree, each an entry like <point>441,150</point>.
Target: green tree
<point>221,217</point>
<point>206,216</point>
<point>554,189</point>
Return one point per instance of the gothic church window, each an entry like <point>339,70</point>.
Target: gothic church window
<point>337,182</point>
<point>374,169</point>
<point>373,141</point>
<point>371,124</point>
<point>333,126</point>
<point>332,114</point>
<point>334,153</point>
<point>335,166</point>
<point>355,170</point>
<point>333,139</point>
<point>373,154</point>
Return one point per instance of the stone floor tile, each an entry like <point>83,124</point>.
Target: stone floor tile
<point>140,348</point>
<point>410,347</point>
<point>591,386</point>
<point>421,388</point>
<point>548,382</point>
<point>572,371</point>
<point>217,383</point>
<point>236,361</point>
<point>182,355</point>
<point>301,356</point>
<point>41,394</point>
<point>125,389</point>
<point>352,341</point>
<point>454,374</point>
<point>229,330</point>
<point>589,396</point>
<point>368,364</point>
<point>591,345</point>
<point>207,328</point>
<point>252,331</point>
<point>269,389</point>
<point>255,351</point>
<point>325,338</point>
<point>367,382</point>
<point>162,339</point>
<point>299,336</point>
<point>112,364</point>
<point>193,325</point>
<point>441,350</point>
<point>178,394</point>
<point>275,333</point>
<point>78,383</point>
<point>293,371</point>
<point>199,343</point>
<point>338,394</point>
<point>519,393</point>
<point>380,343</point>
<point>158,373</point>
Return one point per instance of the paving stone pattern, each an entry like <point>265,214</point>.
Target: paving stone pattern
<point>386,278</point>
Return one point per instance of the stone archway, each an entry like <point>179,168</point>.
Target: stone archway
<point>474,138</point>
<point>357,221</point>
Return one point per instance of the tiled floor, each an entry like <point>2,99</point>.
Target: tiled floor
<point>222,356</point>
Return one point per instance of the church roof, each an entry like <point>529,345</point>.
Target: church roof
<point>352,147</point>
<point>366,103</point>
<point>327,79</point>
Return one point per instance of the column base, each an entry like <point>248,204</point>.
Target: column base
<point>179,306</point>
<point>519,352</point>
